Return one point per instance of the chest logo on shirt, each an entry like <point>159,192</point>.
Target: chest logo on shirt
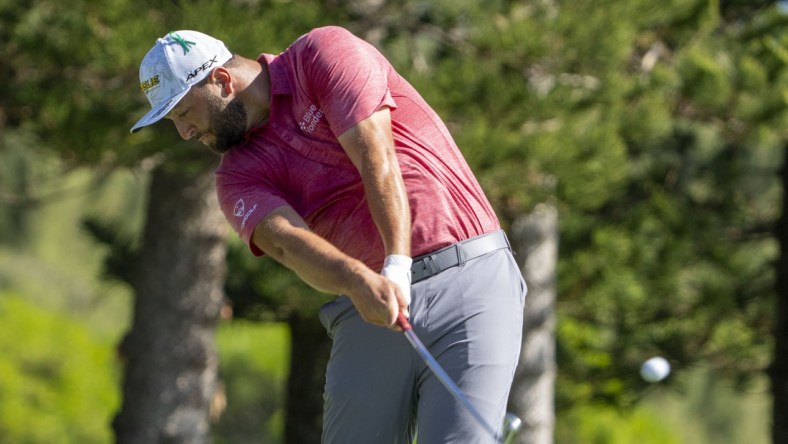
<point>311,118</point>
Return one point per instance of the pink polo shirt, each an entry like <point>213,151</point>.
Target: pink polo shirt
<point>322,85</point>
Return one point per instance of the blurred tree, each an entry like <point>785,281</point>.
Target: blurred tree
<point>535,237</point>
<point>73,72</point>
<point>764,68</point>
<point>171,362</point>
<point>14,191</point>
<point>779,369</point>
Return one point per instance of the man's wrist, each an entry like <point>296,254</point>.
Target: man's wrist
<point>397,268</point>
<point>398,260</point>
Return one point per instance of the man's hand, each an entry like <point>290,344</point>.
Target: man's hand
<point>397,268</point>
<point>378,299</point>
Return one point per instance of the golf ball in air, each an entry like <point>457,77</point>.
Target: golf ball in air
<point>655,369</point>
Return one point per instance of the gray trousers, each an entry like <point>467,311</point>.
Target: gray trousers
<point>378,390</point>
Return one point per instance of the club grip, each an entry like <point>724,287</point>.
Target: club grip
<point>402,322</point>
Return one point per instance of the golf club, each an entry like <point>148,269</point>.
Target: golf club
<point>512,423</point>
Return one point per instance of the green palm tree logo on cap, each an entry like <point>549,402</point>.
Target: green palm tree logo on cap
<point>183,42</point>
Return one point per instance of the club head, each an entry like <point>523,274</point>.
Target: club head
<point>511,427</point>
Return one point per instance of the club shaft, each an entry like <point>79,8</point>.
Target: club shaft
<point>444,377</point>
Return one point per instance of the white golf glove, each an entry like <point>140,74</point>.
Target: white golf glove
<point>397,268</point>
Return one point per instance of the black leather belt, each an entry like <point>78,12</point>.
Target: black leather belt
<point>431,264</point>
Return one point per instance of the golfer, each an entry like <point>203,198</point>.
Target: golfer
<point>335,166</point>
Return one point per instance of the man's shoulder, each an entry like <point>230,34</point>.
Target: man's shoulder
<point>322,36</point>
<point>331,31</point>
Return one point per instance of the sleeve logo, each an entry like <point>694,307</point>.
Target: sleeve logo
<point>240,211</point>
<point>239,208</point>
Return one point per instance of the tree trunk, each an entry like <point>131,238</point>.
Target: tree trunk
<point>309,352</point>
<point>779,368</point>
<point>171,361</point>
<point>535,238</point>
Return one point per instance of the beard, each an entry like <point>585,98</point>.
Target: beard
<point>227,123</point>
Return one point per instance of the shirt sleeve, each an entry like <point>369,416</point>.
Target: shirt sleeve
<point>348,76</point>
<point>245,203</point>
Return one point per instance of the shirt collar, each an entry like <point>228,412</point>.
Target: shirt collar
<point>280,83</point>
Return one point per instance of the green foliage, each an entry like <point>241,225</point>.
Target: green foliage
<point>706,408</point>
<point>657,131</point>
<point>705,72</point>
<point>50,259</point>
<point>263,289</point>
<point>253,370</point>
<point>605,425</point>
<point>18,168</point>
<point>57,382</point>
<point>67,61</point>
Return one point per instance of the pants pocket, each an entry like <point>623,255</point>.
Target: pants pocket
<point>334,312</point>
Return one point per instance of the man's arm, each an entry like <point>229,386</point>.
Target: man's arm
<point>370,146</point>
<point>285,236</point>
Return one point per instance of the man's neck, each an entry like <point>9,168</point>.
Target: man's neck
<point>260,94</point>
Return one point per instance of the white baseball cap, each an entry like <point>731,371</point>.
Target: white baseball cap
<point>175,63</point>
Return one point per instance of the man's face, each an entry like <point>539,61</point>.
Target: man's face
<point>227,123</point>
<point>218,124</point>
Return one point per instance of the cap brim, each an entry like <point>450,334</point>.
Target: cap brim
<point>157,113</point>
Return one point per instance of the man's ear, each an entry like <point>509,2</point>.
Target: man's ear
<point>222,77</point>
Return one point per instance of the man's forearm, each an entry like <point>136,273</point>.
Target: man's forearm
<point>285,236</point>
<point>319,263</point>
<point>388,204</point>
